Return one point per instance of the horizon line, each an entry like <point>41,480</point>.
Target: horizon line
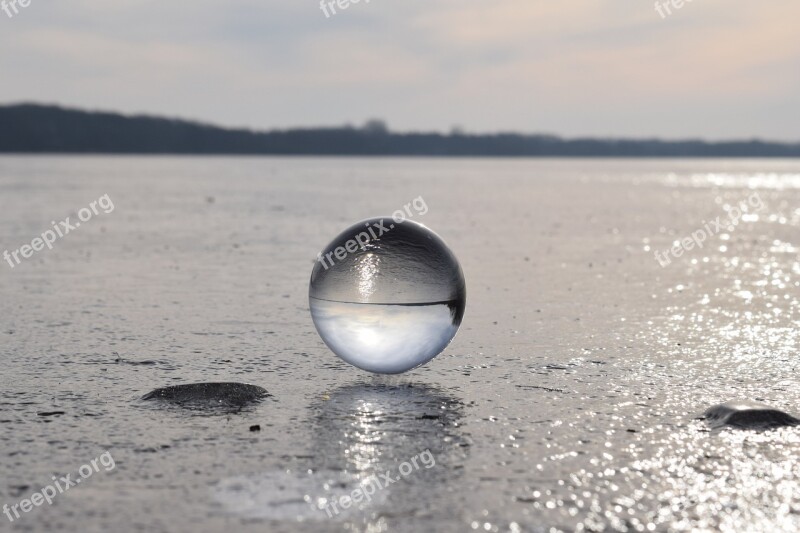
<point>377,125</point>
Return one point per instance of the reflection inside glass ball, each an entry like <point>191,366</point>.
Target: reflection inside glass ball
<point>387,296</point>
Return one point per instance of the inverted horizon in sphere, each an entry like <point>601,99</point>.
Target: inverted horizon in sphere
<point>391,303</point>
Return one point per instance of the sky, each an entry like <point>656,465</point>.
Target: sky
<point>716,69</point>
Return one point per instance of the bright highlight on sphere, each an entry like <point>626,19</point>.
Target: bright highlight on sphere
<point>387,296</point>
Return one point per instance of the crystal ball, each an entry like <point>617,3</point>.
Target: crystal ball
<point>387,296</point>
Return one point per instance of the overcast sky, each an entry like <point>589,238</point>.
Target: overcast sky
<point>714,68</point>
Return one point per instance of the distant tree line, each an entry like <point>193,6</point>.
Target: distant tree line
<point>31,128</point>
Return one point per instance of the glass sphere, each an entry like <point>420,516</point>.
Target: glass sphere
<point>387,296</point>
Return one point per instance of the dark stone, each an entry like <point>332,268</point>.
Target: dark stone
<point>51,413</point>
<point>255,427</point>
<point>235,395</point>
<point>748,415</point>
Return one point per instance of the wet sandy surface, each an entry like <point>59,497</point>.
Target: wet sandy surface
<point>570,399</point>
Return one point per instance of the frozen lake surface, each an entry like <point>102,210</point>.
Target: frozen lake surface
<point>571,399</point>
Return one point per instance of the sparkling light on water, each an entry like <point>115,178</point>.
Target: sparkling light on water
<point>387,296</point>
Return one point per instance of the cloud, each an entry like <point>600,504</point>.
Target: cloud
<point>713,68</point>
